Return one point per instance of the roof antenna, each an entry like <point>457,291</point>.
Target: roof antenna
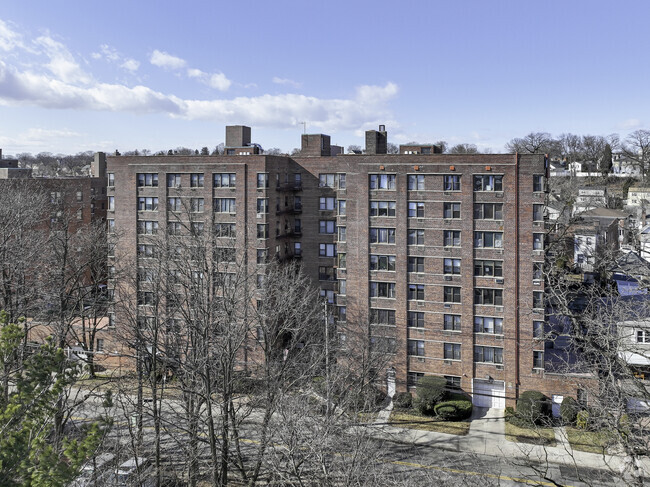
<point>304,127</point>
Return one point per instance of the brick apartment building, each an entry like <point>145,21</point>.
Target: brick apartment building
<point>434,258</point>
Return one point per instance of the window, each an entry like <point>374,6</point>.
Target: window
<point>111,320</point>
<point>262,180</point>
<point>327,250</point>
<point>297,249</point>
<point>643,336</point>
<point>327,226</point>
<point>224,254</point>
<point>111,226</point>
<point>451,238</point>
<point>416,292</point>
<point>145,250</point>
<point>342,207</point>
<point>488,324</point>
<point>80,196</point>
<point>488,268</point>
<point>111,203</point>
<point>538,183</point>
<point>451,182</point>
<point>145,298</point>
<point>79,214</point>
<point>343,287</point>
<point>341,180</point>
<point>173,180</point>
<point>342,313</point>
<point>491,355</point>
<point>488,183</point>
<point>416,348</point>
<point>100,345</point>
<point>342,234</point>
<point>452,266</point>
<point>416,264</point>
<point>416,182</point>
<point>416,237</point>
<point>538,300</point>
<point>262,205</point>
<point>148,179</point>
<point>196,180</point>
<point>382,208</point>
<point>224,230</point>
<point>382,181</point>
<point>382,316</point>
<point>174,204</point>
<point>342,260</point>
<point>111,179</point>
<point>262,230</point>
<point>326,273</point>
<point>488,211</point>
<point>197,229</point>
<point>538,241</point>
<point>297,225</point>
<point>173,228</point>
<point>147,227</point>
<point>261,256</point>
<point>326,204</point>
<point>488,240</point>
<point>383,344</point>
<point>224,205</point>
<point>224,180</point>
<point>416,209</point>
<point>147,204</point>
<point>451,210</point>
<point>488,296</point>
<point>412,378</point>
<point>382,262</point>
<point>297,203</point>
<point>538,359</point>
<point>297,180</point>
<point>538,271</point>
<point>451,322</point>
<point>452,351</point>
<point>453,382</point>
<point>197,205</point>
<point>451,294</point>
<point>382,235</point>
<point>326,180</point>
<point>382,289</point>
<point>538,329</point>
<point>415,319</point>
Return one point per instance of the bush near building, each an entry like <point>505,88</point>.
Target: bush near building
<point>457,408</point>
<point>533,407</point>
<point>569,410</point>
<point>431,390</point>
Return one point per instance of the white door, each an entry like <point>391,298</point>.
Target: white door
<point>486,394</point>
<point>557,402</point>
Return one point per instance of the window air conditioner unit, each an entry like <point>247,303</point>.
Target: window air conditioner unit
<point>499,194</point>
<point>498,337</point>
<point>420,359</point>
<point>499,367</point>
<point>447,305</point>
<point>447,362</point>
<point>537,371</point>
<point>260,215</point>
<point>537,281</point>
<point>499,251</point>
<point>498,280</point>
<point>498,309</point>
<point>448,278</point>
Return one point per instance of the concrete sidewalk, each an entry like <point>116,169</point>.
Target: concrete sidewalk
<point>487,437</point>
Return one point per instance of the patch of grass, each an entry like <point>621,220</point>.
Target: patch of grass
<point>367,416</point>
<point>536,436</point>
<point>413,420</point>
<point>589,441</point>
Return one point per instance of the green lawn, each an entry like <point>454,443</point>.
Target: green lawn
<point>589,441</point>
<point>411,419</point>
<point>536,436</point>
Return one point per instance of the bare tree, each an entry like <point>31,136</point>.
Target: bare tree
<point>636,147</point>
<point>533,143</point>
<point>464,149</point>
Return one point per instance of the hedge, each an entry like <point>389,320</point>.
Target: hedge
<point>569,410</point>
<point>454,410</point>
<point>533,407</point>
<point>403,400</point>
<point>430,391</point>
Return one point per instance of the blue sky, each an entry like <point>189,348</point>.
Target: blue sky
<point>89,75</point>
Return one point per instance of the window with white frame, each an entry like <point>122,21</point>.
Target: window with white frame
<point>451,351</point>
<point>262,180</point>
<point>224,180</point>
<point>415,237</point>
<point>415,348</point>
<point>451,182</point>
<point>197,205</point>
<point>451,238</point>
<point>382,208</point>
<point>416,209</point>
<point>382,262</point>
<point>197,180</point>
<point>490,355</point>
<point>485,182</point>
<point>416,182</point>
<point>488,324</point>
<point>489,297</point>
<point>451,322</point>
<point>327,226</point>
<point>488,211</point>
<point>326,203</point>
<point>382,235</point>
<point>415,264</point>
<point>488,240</point>
<point>382,289</point>
<point>451,266</point>
<point>415,319</point>
<point>327,250</point>
<point>174,204</point>
<point>451,211</point>
<point>148,179</point>
<point>224,205</point>
<point>488,268</point>
<point>382,181</point>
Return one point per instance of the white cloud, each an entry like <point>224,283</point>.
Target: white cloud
<point>37,137</point>
<point>631,124</point>
<point>166,60</point>
<point>130,65</point>
<point>218,81</point>
<point>62,63</point>
<point>9,39</point>
<point>286,81</point>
